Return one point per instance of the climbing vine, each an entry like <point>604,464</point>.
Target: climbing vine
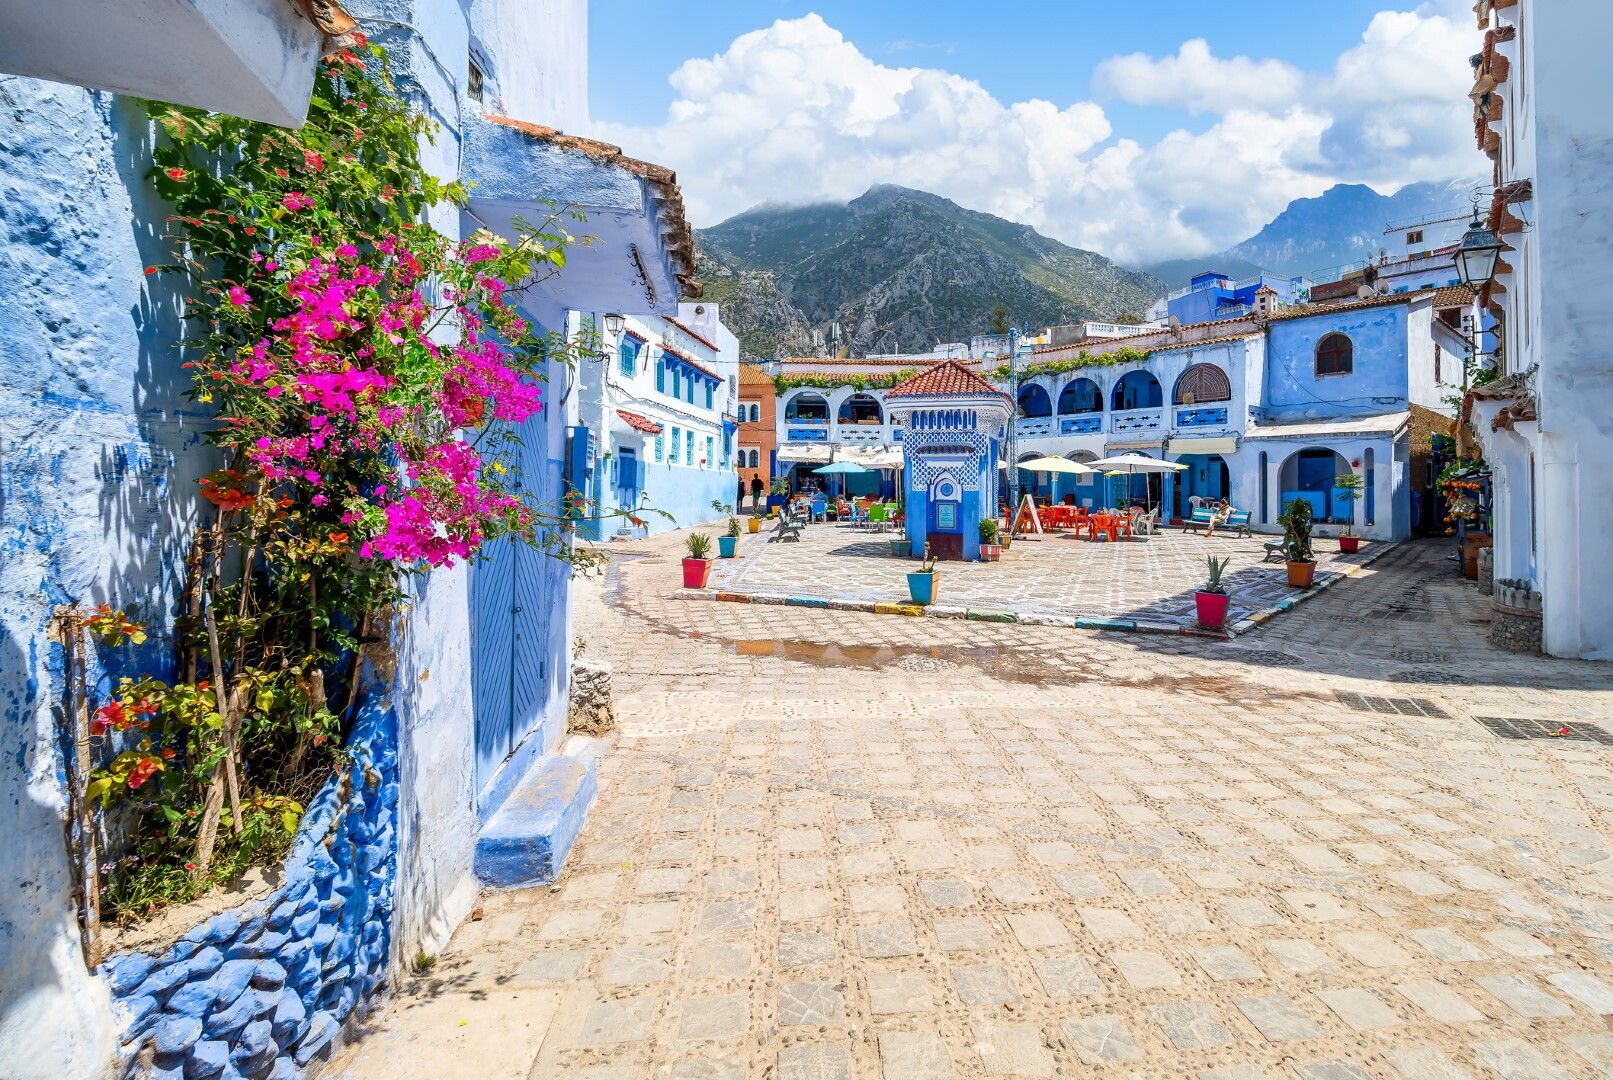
<point>365,371</point>
<point>1084,359</point>
<point>856,380</point>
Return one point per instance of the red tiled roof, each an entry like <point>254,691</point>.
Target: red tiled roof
<point>698,337</point>
<point>639,423</point>
<point>946,379</point>
<point>691,361</point>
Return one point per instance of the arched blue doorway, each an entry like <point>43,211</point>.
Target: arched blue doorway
<point>1034,402</point>
<point>1137,390</point>
<point>1206,476</point>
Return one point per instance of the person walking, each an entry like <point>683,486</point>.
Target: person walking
<point>739,500</point>
<point>756,489</point>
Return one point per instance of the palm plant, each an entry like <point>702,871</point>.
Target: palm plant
<point>698,545</point>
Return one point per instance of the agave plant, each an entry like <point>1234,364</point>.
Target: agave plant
<point>1217,567</point>
<point>699,545</point>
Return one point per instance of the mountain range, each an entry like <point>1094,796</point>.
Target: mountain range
<point>1344,224</point>
<point>899,270</point>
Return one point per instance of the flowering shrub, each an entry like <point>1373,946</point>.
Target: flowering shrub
<point>365,370</point>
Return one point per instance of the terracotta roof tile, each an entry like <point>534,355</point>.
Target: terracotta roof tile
<point>697,336</point>
<point>639,423</point>
<point>948,378</point>
<point>752,376</point>
<point>679,354</point>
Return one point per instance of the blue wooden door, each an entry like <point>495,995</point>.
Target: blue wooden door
<point>492,631</point>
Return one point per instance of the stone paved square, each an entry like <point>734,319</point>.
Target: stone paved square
<point>926,847</point>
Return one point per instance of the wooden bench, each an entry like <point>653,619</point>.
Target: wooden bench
<point>1276,551</point>
<point>1237,521</point>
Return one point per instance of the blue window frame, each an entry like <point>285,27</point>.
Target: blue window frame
<point>711,450</point>
<point>688,437</point>
<point>627,354</point>
<point>660,448</point>
<point>660,377</point>
<point>675,445</point>
<point>709,389</point>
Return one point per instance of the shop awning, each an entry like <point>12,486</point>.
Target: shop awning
<point>1203,446</point>
<point>871,457</point>
<point>809,453</point>
<point>1153,442</point>
<point>1385,424</point>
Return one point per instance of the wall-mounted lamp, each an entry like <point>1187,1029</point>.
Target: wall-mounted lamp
<point>613,323</point>
<point>1477,254</point>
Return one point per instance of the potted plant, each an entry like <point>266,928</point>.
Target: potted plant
<point>754,523</point>
<point>921,582</point>
<point>1296,523</point>
<point>901,546</point>
<point>728,542</point>
<point>697,564</point>
<point>990,550</point>
<point>778,493</point>
<point>1211,601</point>
<point>1348,486</point>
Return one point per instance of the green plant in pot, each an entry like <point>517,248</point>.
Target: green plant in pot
<point>697,564</point>
<point>1212,600</point>
<point>728,542</point>
<point>921,583</point>
<point>1348,486</point>
<point>1296,521</point>
<point>990,549</point>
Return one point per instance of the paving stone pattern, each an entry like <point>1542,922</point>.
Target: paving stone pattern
<point>1073,853</point>
<point>1149,579</point>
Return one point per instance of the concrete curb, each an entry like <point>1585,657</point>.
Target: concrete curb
<point>938,611</point>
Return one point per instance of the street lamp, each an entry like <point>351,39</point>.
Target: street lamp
<point>613,323</point>
<point>1013,421</point>
<point>1477,254</point>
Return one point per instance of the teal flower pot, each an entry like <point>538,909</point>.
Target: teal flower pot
<point>727,545</point>
<point>901,548</point>
<point>921,587</point>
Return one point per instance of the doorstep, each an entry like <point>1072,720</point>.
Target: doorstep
<point>527,839</point>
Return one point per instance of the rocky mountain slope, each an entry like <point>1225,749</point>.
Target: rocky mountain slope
<point>899,270</point>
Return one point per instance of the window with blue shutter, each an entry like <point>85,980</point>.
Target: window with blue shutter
<point>627,354</point>
<point>688,437</point>
<point>711,450</point>
<point>709,389</point>
<point>660,448</point>
<point>675,445</point>
<point>660,376</point>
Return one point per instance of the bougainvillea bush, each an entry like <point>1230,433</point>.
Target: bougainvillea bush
<point>365,371</point>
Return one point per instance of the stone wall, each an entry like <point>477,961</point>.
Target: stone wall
<point>264,990</point>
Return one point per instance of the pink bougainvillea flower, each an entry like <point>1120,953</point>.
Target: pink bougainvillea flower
<point>239,296</point>
<point>296,200</point>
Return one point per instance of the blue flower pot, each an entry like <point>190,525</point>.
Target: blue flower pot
<point>921,587</point>
<point>727,545</point>
<point>901,548</point>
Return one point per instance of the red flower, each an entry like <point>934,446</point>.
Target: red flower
<point>144,770</point>
<point>110,715</point>
<point>313,161</point>
<point>175,173</point>
<point>151,269</point>
<point>338,538</point>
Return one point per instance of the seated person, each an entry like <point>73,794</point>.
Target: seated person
<point>1218,516</point>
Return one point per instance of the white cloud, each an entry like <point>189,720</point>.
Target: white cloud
<point>794,112</point>
<point>1197,81</point>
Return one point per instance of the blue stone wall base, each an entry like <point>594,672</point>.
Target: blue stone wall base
<point>526,842</point>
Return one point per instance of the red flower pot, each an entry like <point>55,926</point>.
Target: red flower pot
<point>991,552</point>
<point>695,573</point>
<point>1301,574</point>
<point>1349,545</point>
<point>1212,609</point>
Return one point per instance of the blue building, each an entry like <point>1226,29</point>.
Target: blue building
<point>1212,295</point>
<point>953,423</point>
<point>102,450</point>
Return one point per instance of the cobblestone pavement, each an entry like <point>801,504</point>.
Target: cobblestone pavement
<point>831,844</point>
<point>1148,578</point>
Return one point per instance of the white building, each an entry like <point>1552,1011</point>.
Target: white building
<point>659,410</point>
<point>1542,115</point>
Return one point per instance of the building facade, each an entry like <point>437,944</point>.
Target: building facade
<point>757,455</point>
<point>659,420</point>
<point>1540,114</point>
<point>102,452</point>
<point>1262,409</point>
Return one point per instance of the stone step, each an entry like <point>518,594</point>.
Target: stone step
<point>526,841</point>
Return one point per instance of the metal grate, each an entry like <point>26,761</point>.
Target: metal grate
<point>1397,706</point>
<point>1264,657</point>
<point>1421,656</point>
<point>1513,727</point>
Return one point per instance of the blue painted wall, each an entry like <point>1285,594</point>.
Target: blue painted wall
<point>1378,383</point>
<point>265,989</point>
<point>99,452</point>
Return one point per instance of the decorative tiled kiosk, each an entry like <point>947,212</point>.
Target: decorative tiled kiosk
<point>953,423</point>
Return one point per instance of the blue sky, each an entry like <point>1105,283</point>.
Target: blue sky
<point>1148,129</point>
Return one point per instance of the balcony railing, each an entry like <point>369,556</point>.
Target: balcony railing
<point>1034,425</point>
<point>807,430</point>
<point>1133,420</point>
<point>862,434</point>
<point>1201,416</point>
<point>1082,424</point>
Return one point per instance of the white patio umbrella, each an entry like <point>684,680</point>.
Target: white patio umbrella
<point>1131,464</point>
<point>1056,465</point>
